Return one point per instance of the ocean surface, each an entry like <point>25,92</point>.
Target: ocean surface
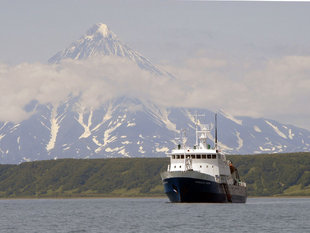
<point>153,215</point>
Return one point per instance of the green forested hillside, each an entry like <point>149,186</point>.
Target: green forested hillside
<point>87,177</point>
<point>266,175</point>
<point>275,174</point>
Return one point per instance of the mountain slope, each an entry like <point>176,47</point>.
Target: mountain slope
<point>131,127</point>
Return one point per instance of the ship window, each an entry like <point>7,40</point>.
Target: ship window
<point>188,156</point>
<point>204,156</point>
<point>173,156</point>
<point>209,156</point>
<point>182,156</point>
<point>213,156</point>
<point>198,156</point>
<point>178,156</point>
<point>193,156</point>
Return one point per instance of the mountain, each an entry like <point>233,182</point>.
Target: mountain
<point>99,40</point>
<point>131,127</point>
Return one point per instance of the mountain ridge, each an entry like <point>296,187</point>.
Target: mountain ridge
<point>128,126</point>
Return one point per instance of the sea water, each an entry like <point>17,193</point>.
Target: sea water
<point>153,215</point>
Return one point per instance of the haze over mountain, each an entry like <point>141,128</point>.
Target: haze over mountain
<point>123,121</point>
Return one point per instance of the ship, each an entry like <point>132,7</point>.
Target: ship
<point>201,173</point>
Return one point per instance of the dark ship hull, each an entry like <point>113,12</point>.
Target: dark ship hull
<point>192,188</point>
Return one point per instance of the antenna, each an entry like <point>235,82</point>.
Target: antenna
<point>215,137</point>
<point>183,137</point>
<point>196,126</point>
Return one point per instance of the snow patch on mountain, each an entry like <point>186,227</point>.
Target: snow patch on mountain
<point>240,141</point>
<point>124,153</point>
<point>55,125</point>
<point>224,147</point>
<point>141,150</point>
<point>266,149</point>
<point>18,142</point>
<point>231,117</point>
<point>131,124</point>
<point>80,119</point>
<point>290,134</point>
<point>162,149</point>
<point>126,142</point>
<point>27,159</point>
<point>107,137</point>
<point>96,141</point>
<point>163,115</point>
<point>14,128</point>
<point>257,129</point>
<point>104,30</point>
<point>276,129</point>
<point>108,149</point>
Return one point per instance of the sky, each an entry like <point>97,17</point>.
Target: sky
<point>245,58</point>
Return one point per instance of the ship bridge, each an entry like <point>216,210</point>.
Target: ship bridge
<point>201,157</point>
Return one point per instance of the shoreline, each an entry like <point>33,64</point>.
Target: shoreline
<point>139,197</point>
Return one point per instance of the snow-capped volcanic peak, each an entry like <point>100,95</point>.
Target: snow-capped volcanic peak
<point>100,30</point>
<point>103,29</point>
<point>100,40</point>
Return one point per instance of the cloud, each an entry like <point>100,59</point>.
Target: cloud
<point>278,88</point>
<point>94,80</point>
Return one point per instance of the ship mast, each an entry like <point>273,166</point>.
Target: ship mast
<point>197,131</point>
<point>215,133</point>
<point>201,135</point>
